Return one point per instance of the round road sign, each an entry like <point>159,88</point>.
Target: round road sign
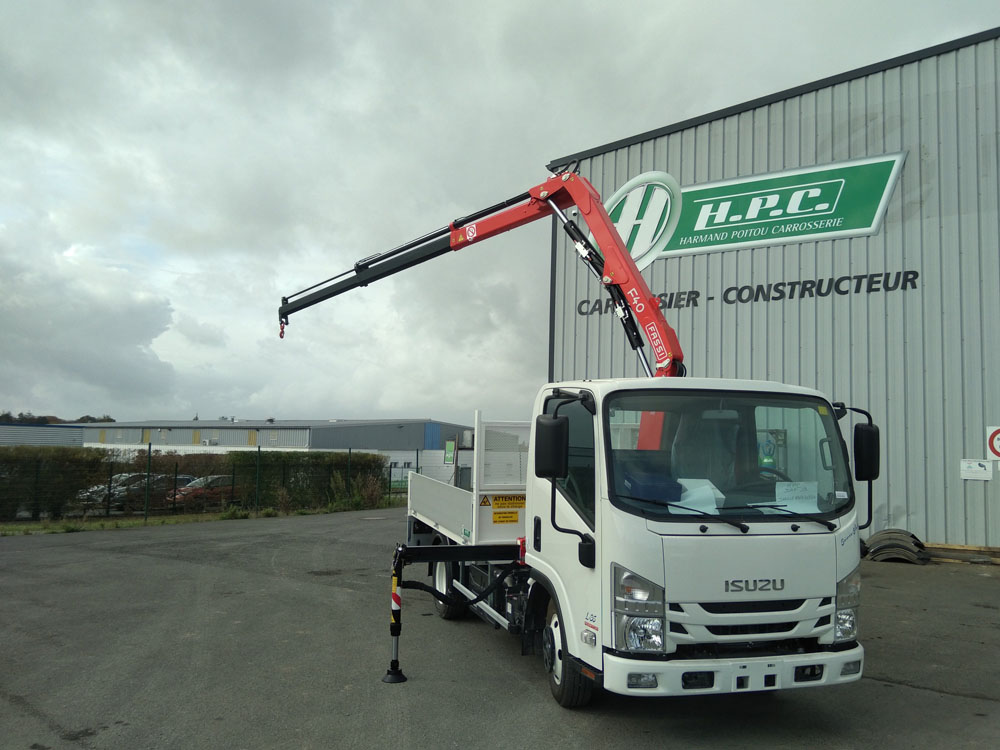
<point>993,443</point>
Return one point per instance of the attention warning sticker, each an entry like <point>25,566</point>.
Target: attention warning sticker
<point>508,501</point>
<point>505,516</point>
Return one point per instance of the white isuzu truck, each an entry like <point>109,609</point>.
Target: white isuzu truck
<point>680,536</point>
<point>652,536</point>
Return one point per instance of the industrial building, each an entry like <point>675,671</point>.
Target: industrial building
<point>407,444</point>
<point>841,235</point>
<point>222,435</point>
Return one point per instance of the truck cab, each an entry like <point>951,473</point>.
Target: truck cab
<point>693,536</point>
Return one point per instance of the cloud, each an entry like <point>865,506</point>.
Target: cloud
<point>168,175</point>
<point>76,333</point>
<point>200,333</point>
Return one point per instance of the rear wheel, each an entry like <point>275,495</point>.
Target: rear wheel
<point>568,686</point>
<point>443,576</point>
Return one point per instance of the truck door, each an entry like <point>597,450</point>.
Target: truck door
<point>557,557</point>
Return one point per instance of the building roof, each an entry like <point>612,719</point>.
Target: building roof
<point>563,161</point>
<point>261,424</point>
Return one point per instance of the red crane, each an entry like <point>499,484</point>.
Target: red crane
<point>635,305</point>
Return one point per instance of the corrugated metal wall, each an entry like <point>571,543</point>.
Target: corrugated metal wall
<point>924,360</point>
<point>12,434</point>
<point>214,436</point>
<point>386,436</point>
<point>164,438</point>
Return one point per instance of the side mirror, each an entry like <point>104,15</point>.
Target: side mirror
<point>587,552</point>
<point>551,446</point>
<point>866,452</point>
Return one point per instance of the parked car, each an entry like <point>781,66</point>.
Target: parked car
<point>97,496</point>
<point>132,495</point>
<point>204,492</point>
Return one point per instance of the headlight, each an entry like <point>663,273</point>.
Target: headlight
<point>634,595</point>
<point>848,600</point>
<point>634,588</point>
<point>849,590</point>
<point>846,626</point>
<point>639,608</point>
<point>642,633</point>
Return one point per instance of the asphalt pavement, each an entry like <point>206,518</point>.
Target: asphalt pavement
<point>273,633</point>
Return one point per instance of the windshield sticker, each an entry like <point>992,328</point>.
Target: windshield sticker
<point>796,492</point>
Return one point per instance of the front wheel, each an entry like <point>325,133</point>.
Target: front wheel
<point>570,688</point>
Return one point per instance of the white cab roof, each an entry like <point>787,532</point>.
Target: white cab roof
<point>604,387</point>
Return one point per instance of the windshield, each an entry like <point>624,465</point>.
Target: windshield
<point>209,481</point>
<point>749,456</point>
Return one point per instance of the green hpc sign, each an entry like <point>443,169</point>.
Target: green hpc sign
<point>449,451</point>
<point>657,218</point>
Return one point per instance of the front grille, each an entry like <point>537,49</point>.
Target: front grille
<point>743,649</point>
<point>749,621</point>
<point>730,608</point>
<point>751,629</point>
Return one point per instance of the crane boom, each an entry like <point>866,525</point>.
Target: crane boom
<point>635,305</point>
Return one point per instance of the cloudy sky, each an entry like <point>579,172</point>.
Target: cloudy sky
<point>169,170</point>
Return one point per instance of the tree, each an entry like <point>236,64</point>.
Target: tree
<point>26,417</point>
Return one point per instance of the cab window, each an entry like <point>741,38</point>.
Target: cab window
<point>579,485</point>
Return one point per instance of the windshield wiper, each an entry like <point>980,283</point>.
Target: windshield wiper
<point>793,513</point>
<point>712,516</point>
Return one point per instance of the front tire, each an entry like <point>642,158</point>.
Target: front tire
<point>570,688</point>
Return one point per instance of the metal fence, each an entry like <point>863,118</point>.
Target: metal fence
<point>57,482</point>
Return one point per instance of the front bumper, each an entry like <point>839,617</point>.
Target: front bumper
<point>689,677</point>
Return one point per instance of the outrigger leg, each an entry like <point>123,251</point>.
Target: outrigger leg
<point>508,553</point>
<point>394,673</point>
